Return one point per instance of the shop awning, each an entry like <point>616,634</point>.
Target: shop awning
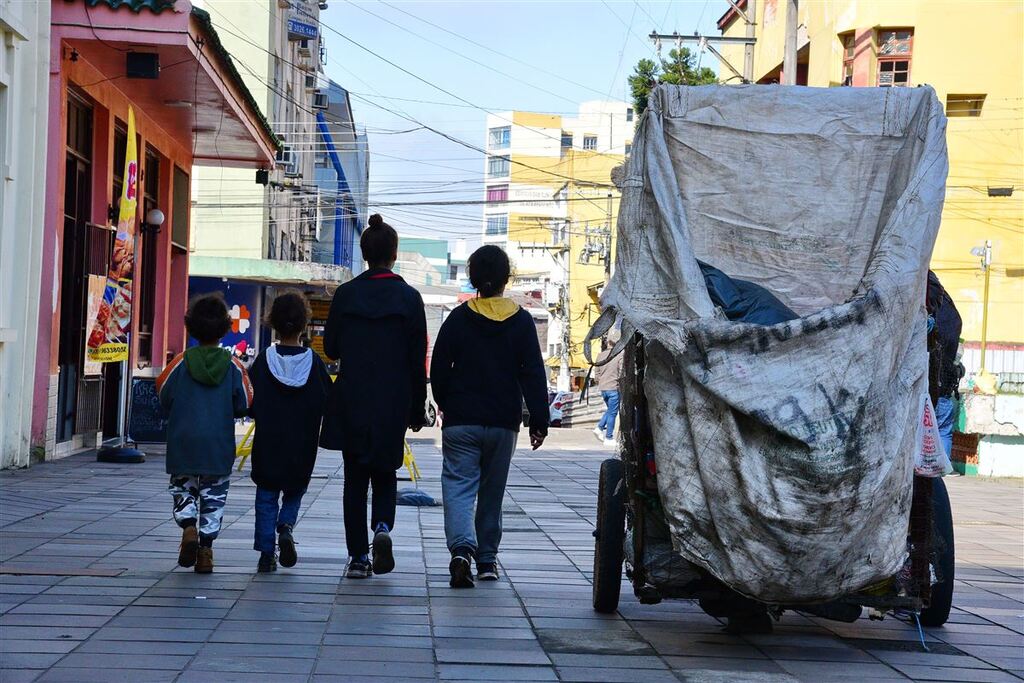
<point>268,271</point>
<point>197,96</point>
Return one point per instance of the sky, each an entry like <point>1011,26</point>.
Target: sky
<point>555,55</point>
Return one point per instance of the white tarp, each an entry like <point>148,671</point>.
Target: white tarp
<point>784,453</point>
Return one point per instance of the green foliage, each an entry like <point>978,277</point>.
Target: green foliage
<point>679,69</point>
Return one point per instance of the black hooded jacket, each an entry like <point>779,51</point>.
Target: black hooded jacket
<point>287,419</point>
<point>377,330</point>
<point>482,369</point>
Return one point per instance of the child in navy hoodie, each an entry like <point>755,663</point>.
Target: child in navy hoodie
<point>290,384</point>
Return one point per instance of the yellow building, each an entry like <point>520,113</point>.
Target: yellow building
<point>551,204</point>
<point>970,52</point>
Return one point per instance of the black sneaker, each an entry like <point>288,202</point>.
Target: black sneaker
<point>383,557</point>
<point>461,571</point>
<point>267,563</point>
<point>486,571</point>
<point>287,545</point>
<point>359,568</point>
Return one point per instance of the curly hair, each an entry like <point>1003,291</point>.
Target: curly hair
<point>207,319</point>
<point>289,314</point>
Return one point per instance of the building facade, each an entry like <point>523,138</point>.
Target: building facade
<point>165,60</point>
<point>275,215</point>
<point>24,63</point>
<point>905,44</point>
<point>550,202</point>
<point>343,177</point>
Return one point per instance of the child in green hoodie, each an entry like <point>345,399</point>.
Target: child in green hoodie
<point>202,391</point>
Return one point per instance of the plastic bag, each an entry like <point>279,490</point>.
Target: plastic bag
<point>930,458</point>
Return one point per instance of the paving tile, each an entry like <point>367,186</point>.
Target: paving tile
<point>481,672</point>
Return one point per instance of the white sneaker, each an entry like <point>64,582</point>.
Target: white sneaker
<point>611,442</point>
<point>599,433</point>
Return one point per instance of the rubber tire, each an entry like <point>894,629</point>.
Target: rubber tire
<point>609,537</point>
<point>431,415</point>
<point>937,611</point>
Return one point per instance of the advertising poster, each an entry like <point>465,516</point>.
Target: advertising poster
<point>243,303</point>
<point>97,285</point>
<point>108,339</point>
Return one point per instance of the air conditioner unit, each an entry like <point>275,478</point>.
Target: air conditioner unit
<point>310,81</point>
<point>320,100</point>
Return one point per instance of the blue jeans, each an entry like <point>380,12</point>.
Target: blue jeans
<point>607,423</point>
<point>270,519</point>
<point>475,469</point>
<point>945,415</point>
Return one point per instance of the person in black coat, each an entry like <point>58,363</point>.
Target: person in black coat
<point>290,385</point>
<point>377,330</point>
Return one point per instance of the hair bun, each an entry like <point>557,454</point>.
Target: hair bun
<point>375,221</point>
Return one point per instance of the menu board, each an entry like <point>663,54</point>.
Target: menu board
<point>317,323</point>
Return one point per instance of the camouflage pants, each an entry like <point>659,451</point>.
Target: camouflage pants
<point>199,501</point>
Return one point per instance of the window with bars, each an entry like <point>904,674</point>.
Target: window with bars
<point>848,54</point>
<point>895,51</point>
<point>964,105</point>
<point>497,167</point>
<point>590,142</point>
<point>499,138</point>
<point>497,193</point>
<point>497,225</point>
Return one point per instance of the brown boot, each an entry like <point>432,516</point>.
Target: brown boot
<point>204,561</point>
<point>189,546</point>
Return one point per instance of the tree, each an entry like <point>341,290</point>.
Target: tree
<point>679,69</point>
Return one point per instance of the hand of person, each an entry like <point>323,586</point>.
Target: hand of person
<point>537,438</point>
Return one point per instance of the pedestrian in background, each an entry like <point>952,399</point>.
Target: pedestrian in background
<point>377,330</point>
<point>606,377</point>
<point>486,361</point>
<point>290,383</point>
<point>945,327</point>
<point>202,391</point>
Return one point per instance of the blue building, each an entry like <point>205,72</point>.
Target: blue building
<point>342,176</point>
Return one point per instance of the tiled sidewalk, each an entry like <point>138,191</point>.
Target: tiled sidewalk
<point>124,612</point>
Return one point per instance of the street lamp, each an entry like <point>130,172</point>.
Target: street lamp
<point>985,254</point>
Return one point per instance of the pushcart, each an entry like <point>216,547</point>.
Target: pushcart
<point>769,466</point>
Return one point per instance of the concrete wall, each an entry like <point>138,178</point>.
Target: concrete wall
<point>24,62</point>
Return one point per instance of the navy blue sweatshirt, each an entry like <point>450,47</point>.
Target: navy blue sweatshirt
<point>484,366</point>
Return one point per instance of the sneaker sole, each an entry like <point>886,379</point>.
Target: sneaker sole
<point>189,548</point>
<point>487,577</point>
<point>357,575</point>
<point>260,570</point>
<point>462,575</point>
<point>383,557</point>
<point>288,556</point>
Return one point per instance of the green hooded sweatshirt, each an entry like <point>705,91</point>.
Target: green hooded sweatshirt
<point>207,364</point>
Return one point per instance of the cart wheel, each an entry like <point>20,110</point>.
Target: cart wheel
<point>609,537</point>
<point>431,415</point>
<point>937,611</point>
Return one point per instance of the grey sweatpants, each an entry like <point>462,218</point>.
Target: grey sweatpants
<point>475,470</point>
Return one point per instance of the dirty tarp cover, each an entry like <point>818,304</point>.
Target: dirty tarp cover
<point>784,453</point>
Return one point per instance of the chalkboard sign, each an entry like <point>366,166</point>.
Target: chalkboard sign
<point>147,423</point>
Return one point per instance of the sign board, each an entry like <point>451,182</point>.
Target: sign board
<point>147,423</point>
<point>299,30</point>
<point>243,306</point>
<point>317,323</point>
<point>96,286</point>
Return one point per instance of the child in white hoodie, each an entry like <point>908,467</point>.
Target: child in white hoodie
<point>290,385</point>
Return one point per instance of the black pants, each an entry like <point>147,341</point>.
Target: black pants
<point>385,490</point>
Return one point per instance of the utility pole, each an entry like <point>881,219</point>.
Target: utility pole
<point>710,41</point>
<point>986,265</point>
<point>608,243</point>
<point>748,49</point>
<point>789,66</point>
